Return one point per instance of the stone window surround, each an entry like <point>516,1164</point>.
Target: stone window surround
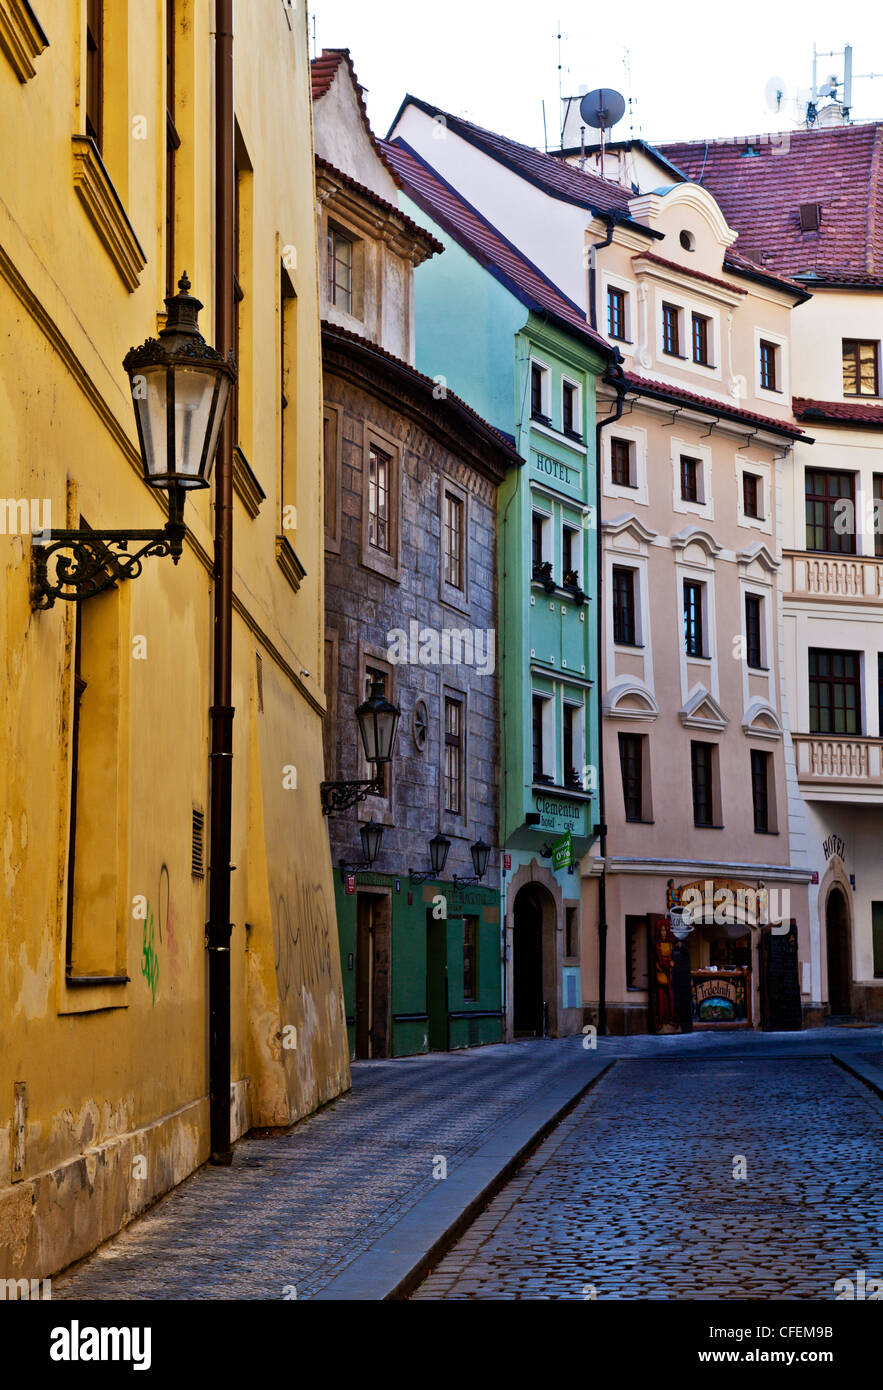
<point>454,825</point>
<point>451,596</point>
<point>381,562</point>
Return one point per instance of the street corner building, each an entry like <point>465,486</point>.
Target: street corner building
<point>809,204</point>
<point>412,475</point>
<point>110,698</point>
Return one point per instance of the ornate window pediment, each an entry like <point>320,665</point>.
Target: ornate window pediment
<point>761,721</point>
<point>695,535</point>
<point>630,533</point>
<point>758,555</point>
<point>702,711</point>
<point>629,699</point>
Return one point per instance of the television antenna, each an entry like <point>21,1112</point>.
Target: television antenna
<point>601,109</point>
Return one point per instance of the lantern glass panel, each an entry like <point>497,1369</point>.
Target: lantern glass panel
<point>149,398</point>
<point>194,392</point>
<point>480,854</point>
<point>438,853</point>
<point>372,835</point>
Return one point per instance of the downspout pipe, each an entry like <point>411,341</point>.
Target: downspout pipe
<point>613,377</point>
<point>221,712</point>
<point>611,221</point>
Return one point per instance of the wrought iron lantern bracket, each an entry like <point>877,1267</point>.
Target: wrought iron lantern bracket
<point>85,562</point>
<point>340,796</point>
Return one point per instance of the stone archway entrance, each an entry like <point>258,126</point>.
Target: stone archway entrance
<point>839,952</point>
<point>530,947</point>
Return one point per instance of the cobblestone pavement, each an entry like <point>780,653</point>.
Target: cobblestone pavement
<point>634,1195</point>
<point>296,1208</point>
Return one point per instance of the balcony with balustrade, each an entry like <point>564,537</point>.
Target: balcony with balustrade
<point>838,767</point>
<point>854,579</point>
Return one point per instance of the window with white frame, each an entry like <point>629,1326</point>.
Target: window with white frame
<point>624,460</point>
<point>540,392</point>
<point>540,542</point>
<point>571,409</point>
<point>573,742</point>
<point>695,618</point>
<point>691,468</point>
<point>626,605</point>
<point>753,494</point>
<point>755,631</point>
<point>770,365</point>
<point>542,737</point>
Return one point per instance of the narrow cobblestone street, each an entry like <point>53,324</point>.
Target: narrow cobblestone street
<point>633,1192</point>
<point>634,1195</point>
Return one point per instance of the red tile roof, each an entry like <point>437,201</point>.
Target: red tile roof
<point>840,167</point>
<point>485,244</point>
<point>497,437</point>
<point>323,72</point>
<point>380,203</point>
<point>741,265</point>
<point>838,412</point>
<point>688,270</point>
<point>554,176</point>
<point>645,387</point>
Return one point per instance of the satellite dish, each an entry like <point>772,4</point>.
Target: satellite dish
<point>602,108</point>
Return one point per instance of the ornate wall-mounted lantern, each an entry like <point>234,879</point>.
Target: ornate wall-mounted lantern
<point>180,390</point>
<point>378,721</point>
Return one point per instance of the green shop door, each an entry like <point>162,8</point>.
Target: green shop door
<point>437,982</point>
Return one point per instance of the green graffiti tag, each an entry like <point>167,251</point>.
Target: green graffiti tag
<point>150,960</point>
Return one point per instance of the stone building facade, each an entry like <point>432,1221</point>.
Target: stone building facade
<point>411,476</point>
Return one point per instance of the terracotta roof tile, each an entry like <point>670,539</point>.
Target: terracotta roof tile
<point>838,412</point>
<point>485,244</point>
<point>840,167</point>
<point>323,72</point>
<point>644,386</point>
<point>557,178</point>
<point>688,270</point>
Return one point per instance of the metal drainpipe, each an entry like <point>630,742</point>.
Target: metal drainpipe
<point>615,378</point>
<point>611,220</point>
<point>221,711</point>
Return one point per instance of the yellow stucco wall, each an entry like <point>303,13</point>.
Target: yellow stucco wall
<point>115,1076</point>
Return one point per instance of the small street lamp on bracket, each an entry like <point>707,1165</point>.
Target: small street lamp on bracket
<point>180,389</point>
<point>438,857</point>
<point>480,855</point>
<point>378,721</point>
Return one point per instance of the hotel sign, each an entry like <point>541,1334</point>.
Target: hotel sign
<point>559,815</point>
<point>554,473</point>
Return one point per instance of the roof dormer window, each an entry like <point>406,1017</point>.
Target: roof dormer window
<point>810,217</point>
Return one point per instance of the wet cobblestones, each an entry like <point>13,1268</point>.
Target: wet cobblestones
<point>634,1195</point>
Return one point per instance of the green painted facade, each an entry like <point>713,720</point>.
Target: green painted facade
<point>473,331</point>
<point>479,336</point>
<point>429,1006</point>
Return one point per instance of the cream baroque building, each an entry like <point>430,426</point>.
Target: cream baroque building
<point>809,204</point>
<point>105,713</point>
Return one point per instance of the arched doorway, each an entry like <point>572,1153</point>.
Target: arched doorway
<point>527,961</point>
<point>839,954</point>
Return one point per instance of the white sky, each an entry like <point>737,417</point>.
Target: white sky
<point>692,75</point>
